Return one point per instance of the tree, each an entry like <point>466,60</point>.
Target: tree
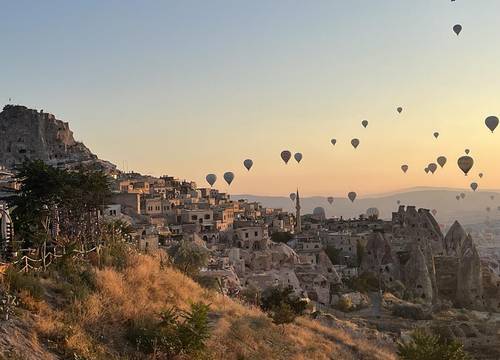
<point>188,257</point>
<point>281,237</point>
<point>333,254</point>
<point>360,253</point>
<point>48,195</point>
<point>282,305</point>
<point>426,346</point>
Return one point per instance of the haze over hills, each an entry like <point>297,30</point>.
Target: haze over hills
<point>470,210</point>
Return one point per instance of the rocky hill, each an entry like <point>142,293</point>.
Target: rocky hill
<point>31,134</point>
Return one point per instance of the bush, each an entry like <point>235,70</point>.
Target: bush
<point>426,346</point>
<point>17,282</point>
<point>366,282</point>
<point>345,304</point>
<point>281,237</point>
<point>177,332</point>
<point>78,278</point>
<point>188,257</point>
<point>282,305</point>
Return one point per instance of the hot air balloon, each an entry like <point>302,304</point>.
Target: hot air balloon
<point>432,167</point>
<point>211,179</point>
<point>248,164</point>
<point>441,161</point>
<point>426,170</point>
<point>373,212</point>
<point>473,186</point>
<point>434,212</point>
<point>399,109</point>
<point>333,141</point>
<point>292,196</point>
<point>436,135</point>
<point>404,168</point>
<point>355,143</point>
<point>462,195</point>
<point>298,157</point>
<point>481,175</point>
<point>457,29</point>
<point>229,177</point>
<point>330,200</point>
<point>465,163</point>
<point>467,151</point>
<point>286,155</point>
<point>364,123</point>
<point>458,197</point>
<point>398,202</point>
<point>491,122</point>
<point>352,196</point>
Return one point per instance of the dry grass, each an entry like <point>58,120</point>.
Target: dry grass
<point>94,328</point>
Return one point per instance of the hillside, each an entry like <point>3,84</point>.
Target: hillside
<point>85,313</point>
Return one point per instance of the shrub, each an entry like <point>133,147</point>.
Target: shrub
<point>17,282</point>
<point>426,346</point>
<point>282,305</point>
<point>177,332</point>
<point>188,257</point>
<point>281,237</point>
<point>364,283</point>
<point>345,304</point>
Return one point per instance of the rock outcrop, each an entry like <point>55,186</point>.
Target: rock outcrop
<point>27,134</point>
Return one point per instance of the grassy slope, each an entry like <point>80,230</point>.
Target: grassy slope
<point>94,328</point>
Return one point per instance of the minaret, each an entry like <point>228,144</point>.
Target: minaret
<point>298,222</point>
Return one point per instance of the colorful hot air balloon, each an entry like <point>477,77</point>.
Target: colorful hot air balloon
<point>491,122</point>
<point>481,175</point>
<point>465,163</point>
<point>404,168</point>
<point>399,109</point>
<point>457,29</point>
<point>330,200</point>
<point>364,123</point>
<point>298,157</point>
<point>229,177</point>
<point>293,196</point>
<point>458,197</point>
<point>286,155</point>
<point>441,161</point>
<point>333,141</point>
<point>211,179</point>
<point>467,151</point>
<point>352,196</point>
<point>426,170</point>
<point>355,143</point>
<point>473,186</point>
<point>436,135</point>
<point>432,167</point>
<point>248,164</point>
<point>462,195</point>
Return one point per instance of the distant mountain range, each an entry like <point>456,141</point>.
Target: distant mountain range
<point>470,210</point>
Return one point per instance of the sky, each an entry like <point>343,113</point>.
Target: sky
<point>187,88</point>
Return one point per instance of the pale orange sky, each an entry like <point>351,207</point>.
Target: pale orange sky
<point>192,88</point>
